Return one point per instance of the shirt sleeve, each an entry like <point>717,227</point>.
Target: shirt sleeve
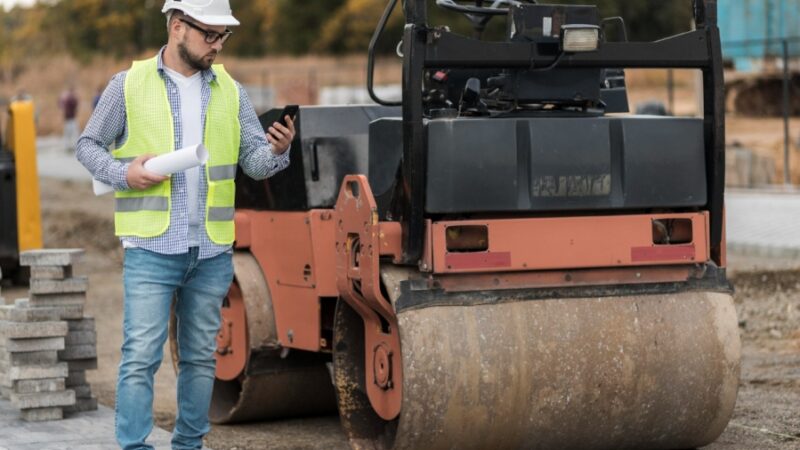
<point>106,125</point>
<point>255,152</point>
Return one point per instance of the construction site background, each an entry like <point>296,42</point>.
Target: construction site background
<point>756,141</point>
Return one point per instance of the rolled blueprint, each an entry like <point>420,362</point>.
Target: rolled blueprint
<point>166,164</point>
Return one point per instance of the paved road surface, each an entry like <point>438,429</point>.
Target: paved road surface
<point>92,430</point>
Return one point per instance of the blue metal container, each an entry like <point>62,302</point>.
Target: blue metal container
<point>743,23</point>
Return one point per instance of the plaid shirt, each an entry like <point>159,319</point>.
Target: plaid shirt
<point>108,125</point>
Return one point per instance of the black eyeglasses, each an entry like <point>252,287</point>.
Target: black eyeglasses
<point>210,36</point>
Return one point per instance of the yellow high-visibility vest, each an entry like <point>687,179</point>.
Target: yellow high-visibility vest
<point>146,213</point>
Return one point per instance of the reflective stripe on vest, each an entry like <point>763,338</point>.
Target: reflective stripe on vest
<point>220,173</point>
<point>142,204</point>
<point>146,213</point>
<point>219,214</point>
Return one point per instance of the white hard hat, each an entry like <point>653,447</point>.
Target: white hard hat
<point>209,12</point>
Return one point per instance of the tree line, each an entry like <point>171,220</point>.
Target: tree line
<point>83,28</point>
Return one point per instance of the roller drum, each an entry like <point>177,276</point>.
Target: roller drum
<point>647,371</point>
<point>282,394</point>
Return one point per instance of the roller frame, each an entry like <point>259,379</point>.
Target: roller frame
<point>358,249</point>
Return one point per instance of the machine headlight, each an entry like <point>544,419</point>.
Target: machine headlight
<point>580,38</point>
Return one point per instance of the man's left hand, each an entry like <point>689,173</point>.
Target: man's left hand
<point>281,136</point>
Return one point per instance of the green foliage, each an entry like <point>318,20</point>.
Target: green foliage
<point>297,24</point>
<point>350,28</point>
<point>126,27</point>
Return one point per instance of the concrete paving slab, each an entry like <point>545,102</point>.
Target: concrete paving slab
<point>83,324</point>
<point>33,344</point>
<point>82,364</point>
<point>77,337</point>
<point>38,372</point>
<point>14,313</point>
<point>763,223</point>
<point>82,391</point>
<point>50,257</point>
<point>76,377</point>
<point>26,358</point>
<point>82,404</point>
<point>42,414</point>
<point>51,272</point>
<point>68,286</point>
<point>32,330</point>
<point>73,352</point>
<point>40,300</point>
<point>41,385</point>
<point>93,430</point>
<point>43,399</point>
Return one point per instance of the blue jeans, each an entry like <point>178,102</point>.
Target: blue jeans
<point>150,281</point>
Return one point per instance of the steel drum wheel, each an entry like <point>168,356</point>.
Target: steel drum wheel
<point>646,371</point>
<point>268,387</point>
<point>364,428</point>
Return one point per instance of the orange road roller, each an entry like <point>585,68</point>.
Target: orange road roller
<point>502,258</point>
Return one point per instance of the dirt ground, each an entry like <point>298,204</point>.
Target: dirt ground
<point>767,414</point>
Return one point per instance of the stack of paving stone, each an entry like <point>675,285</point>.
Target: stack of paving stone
<point>53,286</point>
<point>32,376</point>
<point>46,345</point>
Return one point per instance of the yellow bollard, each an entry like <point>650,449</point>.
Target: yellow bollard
<point>22,143</point>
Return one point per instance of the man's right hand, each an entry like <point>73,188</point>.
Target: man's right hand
<point>140,178</point>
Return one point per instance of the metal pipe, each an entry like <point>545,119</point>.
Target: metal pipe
<point>371,56</point>
<point>787,179</point>
<point>671,91</point>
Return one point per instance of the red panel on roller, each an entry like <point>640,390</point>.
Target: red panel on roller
<point>477,260</point>
<point>663,253</point>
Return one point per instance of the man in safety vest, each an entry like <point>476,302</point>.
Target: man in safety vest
<point>177,231</point>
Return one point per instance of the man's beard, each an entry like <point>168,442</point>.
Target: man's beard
<point>195,62</point>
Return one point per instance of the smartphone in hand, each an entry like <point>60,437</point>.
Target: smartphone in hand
<point>289,110</point>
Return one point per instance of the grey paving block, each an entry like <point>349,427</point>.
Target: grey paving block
<point>68,286</point>
<point>5,392</point>
<point>84,324</point>
<point>66,311</point>
<point>80,338</point>
<point>76,378</point>
<point>45,300</point>
<point>82,364</point>
<point>26,358</point>
<point>69,308</point>
<point>59,370</point>
<point>13,313</point>
<point>51,272</point>
<point>19,330</point>
<point>42,414</point>
<point>72,352</point>
<point>41,385</point>
<point>50,257</point>
<point>82,391</point>
<point>33,344</point>
<point>43,399</point>
<point>82,405</point>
